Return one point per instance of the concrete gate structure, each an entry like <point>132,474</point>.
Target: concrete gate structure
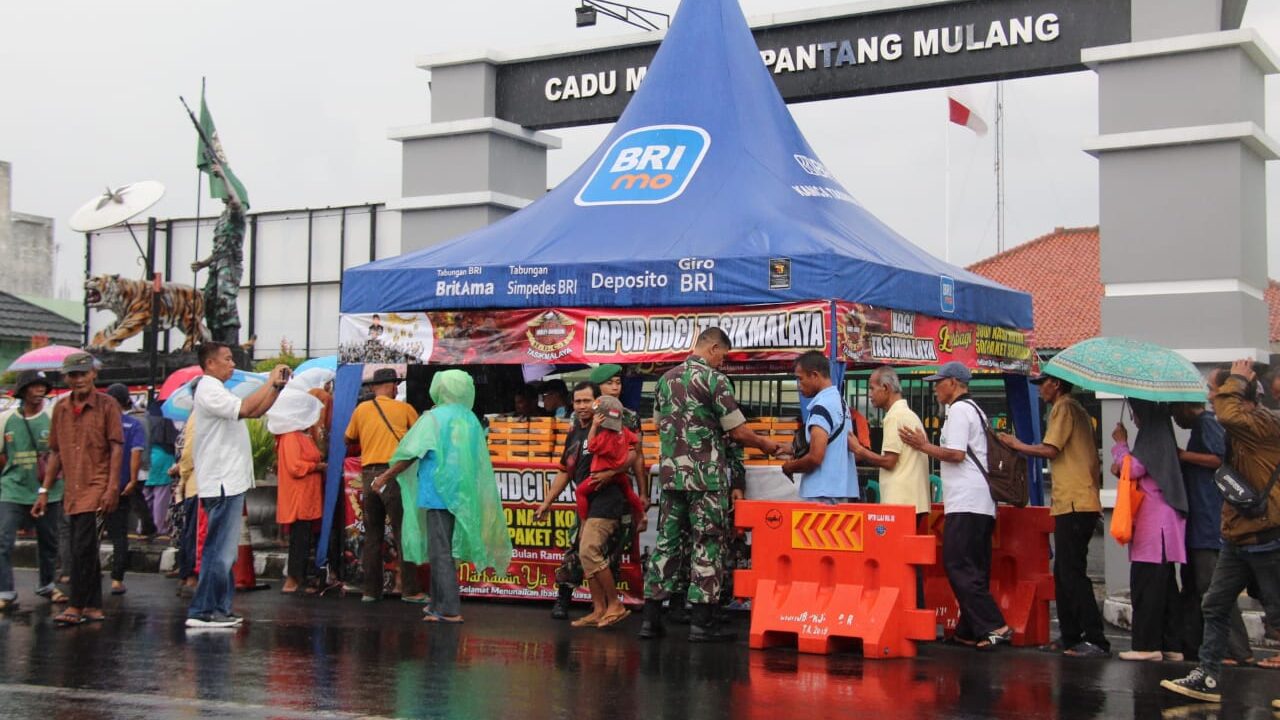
<point>1181,147</point>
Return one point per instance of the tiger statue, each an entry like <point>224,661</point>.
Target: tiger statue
<point>181,308</point>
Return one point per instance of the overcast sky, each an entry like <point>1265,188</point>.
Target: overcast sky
<point>304,92</point>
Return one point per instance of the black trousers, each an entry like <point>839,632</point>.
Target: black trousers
<point>300,539</point>
<point>138,505</point>
<point>378,508</point>
<point>966,557</point>
<point>1078,616</point>
<point>86,569</point>
<point>117,525</point>
<point>1197,574</point>
<point>1156,615</point>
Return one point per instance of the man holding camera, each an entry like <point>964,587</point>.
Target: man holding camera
<point>224,473</point>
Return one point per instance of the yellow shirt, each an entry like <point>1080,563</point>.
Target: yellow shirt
<point>377,441</point>
<point>1076,470</point>
<point>908,482</point>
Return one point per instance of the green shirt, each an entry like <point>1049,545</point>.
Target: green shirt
<point>694,407</point>
<point>18,481</point>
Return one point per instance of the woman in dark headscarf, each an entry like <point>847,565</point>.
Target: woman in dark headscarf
<point>1159,531</point>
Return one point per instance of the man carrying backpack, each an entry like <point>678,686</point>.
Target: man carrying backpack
<point>969,507</point>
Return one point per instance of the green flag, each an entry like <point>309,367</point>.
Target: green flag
<point>217,188</point>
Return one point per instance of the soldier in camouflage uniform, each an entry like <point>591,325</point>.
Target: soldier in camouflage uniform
<point>225,269</point>
<point>695,409</point>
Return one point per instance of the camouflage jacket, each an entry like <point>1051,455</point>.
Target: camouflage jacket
<point>694,406</point>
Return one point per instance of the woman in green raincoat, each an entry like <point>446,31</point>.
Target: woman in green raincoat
<point>456,492</point>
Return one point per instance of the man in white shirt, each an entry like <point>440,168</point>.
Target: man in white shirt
<point>970,511</point>
<point>224,473</point>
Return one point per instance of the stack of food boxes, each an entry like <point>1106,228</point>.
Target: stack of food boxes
<point>524,440</point>
<point>781,430</point>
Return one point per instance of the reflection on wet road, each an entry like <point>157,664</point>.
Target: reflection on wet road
<point>338,658</point>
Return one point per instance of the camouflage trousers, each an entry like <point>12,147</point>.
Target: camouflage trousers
<point>570,570</point>
<point>693,536</point>
<point>736,551</point>
<point>221,313</point>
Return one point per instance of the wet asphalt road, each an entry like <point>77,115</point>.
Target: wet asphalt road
<point>335,657</point>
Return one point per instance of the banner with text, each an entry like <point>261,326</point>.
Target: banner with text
<point>871,335</point>
<point>578,335</point>
<point>539,545</point>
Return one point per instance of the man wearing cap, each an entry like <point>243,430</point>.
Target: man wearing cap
<point>695,409</point>
<point>970,511</point>
<point>85,446</point>
<point>377,426</point>
<point>224,475</point>
<point>117,521</point>
<point>24,446</point>
<point>1072,451</point>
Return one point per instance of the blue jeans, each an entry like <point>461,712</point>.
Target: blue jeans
<point>12,516</point>
<point>1236,567</point>
<point>215,587</point>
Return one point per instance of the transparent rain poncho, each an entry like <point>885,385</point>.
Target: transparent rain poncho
<point>462,474</point>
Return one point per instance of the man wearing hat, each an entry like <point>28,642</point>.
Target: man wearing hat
<point>970,511</point>
<point>1072,451</point>
<point>377,426</point>
<point>86,447</point>
<point>24,446</point>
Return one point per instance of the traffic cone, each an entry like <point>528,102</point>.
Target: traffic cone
<point>242,570</point>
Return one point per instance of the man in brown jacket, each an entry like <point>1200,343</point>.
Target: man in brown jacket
<point>1251,546</point>
<point>86,446</point>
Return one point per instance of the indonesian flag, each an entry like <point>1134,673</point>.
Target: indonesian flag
<point>962,114</point>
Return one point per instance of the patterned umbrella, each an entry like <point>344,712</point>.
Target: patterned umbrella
<point>1130,368</point>
<point>241,384</point>
<point>177,379</point>
<point>48,357</point>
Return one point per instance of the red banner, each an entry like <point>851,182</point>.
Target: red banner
<point>592,335</point>
<point>869,335</point>
<point>539,546</point>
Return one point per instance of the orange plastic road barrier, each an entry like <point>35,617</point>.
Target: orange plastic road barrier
<point>242,570</point>
<point>827,576</point>
<point>1021,581</point>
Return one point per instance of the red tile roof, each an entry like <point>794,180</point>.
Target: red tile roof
<point>1062,272</point>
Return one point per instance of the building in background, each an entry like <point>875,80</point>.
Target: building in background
<point>25,325</point>
<point>26,246</point>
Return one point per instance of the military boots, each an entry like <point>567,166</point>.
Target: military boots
<point>560,611</point>
<point>651,626</point>
<point>677,611</point>
<point>704,627</point>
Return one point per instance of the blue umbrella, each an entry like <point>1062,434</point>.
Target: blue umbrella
<point>328,362</point>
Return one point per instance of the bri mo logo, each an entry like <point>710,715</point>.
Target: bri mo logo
<point>646,166</point>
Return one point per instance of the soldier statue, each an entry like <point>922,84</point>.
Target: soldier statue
<point>225,265</point>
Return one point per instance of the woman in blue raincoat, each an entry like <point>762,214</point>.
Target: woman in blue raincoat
<point>456,491</point>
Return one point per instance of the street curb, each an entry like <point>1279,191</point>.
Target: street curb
<point>1118,611</point>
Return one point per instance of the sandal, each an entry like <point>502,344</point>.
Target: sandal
<point>68,619</point>
<point>613,619</point>
<point>1271,663</point>
<point>96,617</point>
<point>57,597</point>
<point>438,618</point>
<point>995,639</point>
<point>591,620</point>
<point>419,599</point>
<point>8,605</point>
<point>957,640</point>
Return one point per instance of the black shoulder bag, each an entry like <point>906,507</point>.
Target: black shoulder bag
<point>1237,491</point>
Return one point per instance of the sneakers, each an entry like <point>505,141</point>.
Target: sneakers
<point>1197,685</point>
<point>1141,655</point>
<point>215,621</point>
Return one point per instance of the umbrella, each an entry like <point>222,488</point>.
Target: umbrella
<point>1130,368</point>
<point>177,379</point>
<point>48,357</point>
<point>328,362</point>
<point>241,384</point>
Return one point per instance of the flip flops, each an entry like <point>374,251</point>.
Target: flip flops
<point>435,617</point>
<point>422,599</point>
<point>613,619</point>
<point>1271,663</point>
<point>68,619</point>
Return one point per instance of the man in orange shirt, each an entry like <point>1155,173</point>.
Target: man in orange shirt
<point>377,425</point>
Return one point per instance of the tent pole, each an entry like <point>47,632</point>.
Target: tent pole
<point>946,193</point>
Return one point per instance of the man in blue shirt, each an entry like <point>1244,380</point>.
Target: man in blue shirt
<point>117,522</point>
<point>1203,455</point>
<point>828,472</point>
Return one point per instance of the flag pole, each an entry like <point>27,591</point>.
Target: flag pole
<point>946,181</point>
<point>199,192</point>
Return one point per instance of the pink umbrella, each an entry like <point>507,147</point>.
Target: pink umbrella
<point>48,357</point>
<point>177,379</point>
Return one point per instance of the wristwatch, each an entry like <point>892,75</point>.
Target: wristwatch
<point>42,490</point>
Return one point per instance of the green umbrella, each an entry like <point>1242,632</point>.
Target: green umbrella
<point>1130,368</point>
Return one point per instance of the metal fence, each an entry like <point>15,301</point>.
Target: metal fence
<point>293,263</point>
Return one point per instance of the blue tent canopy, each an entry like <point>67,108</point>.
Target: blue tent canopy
<point>703,186</point>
